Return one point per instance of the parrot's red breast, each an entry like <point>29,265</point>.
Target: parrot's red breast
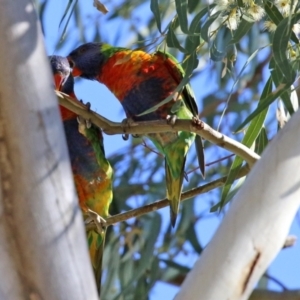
<point>140,68</point>
<point>91,170</point>
<point>141,81</point>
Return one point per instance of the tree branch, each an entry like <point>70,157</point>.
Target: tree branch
<point>164,202</point>
<point>255,227</point>
<point>199,128</point>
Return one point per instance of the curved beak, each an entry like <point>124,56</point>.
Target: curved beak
<point>59,80</point>
<point>74,70</point>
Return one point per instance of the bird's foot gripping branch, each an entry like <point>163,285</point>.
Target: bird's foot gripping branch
<point>199,124</point>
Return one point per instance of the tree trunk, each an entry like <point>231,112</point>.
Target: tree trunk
<point>255,227</point>
<point>43,248</point>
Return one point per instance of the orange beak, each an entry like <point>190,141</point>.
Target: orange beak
<point>76,72</point>
<point>58,81</point>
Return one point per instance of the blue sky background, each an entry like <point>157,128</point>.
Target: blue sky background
<point>286,267</point>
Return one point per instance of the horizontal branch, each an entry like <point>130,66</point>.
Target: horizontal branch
<point>199,128</point>
<point>164,202</point>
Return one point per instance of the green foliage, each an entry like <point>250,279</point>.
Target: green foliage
<point>245,57</point>
<point>155,10</point>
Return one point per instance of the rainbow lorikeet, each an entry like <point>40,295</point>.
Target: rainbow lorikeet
<point>91,170</point>
<point>140,81</point>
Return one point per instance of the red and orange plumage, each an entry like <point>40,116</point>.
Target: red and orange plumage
<point>141,81</point>
<point>91,170</point>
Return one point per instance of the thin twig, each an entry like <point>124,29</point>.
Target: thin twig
<point>275,280</point>
<point>199,128</point>
<point>210,163</point>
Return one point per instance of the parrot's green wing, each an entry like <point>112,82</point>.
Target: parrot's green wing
<point>178,73</point>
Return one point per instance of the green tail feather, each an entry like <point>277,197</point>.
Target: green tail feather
<point>174,188</point>
<point>200,154</point>
<point>96,246</point>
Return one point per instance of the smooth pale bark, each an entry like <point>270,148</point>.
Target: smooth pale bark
<point>43,248</point>
<point>255,227</point>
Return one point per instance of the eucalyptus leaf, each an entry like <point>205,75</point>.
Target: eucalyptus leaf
<point>280,42</point>
<point>249,138</point>
<point>241,31</point>
<point>261,141</point>
<point>181,8</point>
<point>277,78</point>
<point>205,28</point>
<point>155,10</point>
<point>172,40</point>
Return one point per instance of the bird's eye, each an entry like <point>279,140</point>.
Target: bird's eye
<point>71,64</point>
<point>82,50</point>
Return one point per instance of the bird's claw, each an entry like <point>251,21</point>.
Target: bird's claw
<point>87,105</point>
<point>126,123</point>
<point>92,216</point>
<point>83,125</point>
<point>197,122</point>
<point>171,119</point>
<point>125,136</point>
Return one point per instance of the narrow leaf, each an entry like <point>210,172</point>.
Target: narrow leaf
<point>181,8</point>
<point>126,272</point>
<point>192,4</point>
<point>249,138</point>
<point>172,40</point>
<point>231,194</point>
<point>191,236</point>
<point>112,249</point>
<point>277,78</point>
<point>252,56</point>
<point>151,231</point>
<point>195,26</point>
<point>215,54</point>
<point>261,141</point>
<point>264,103</point>
<point>240,3</point>
<point>205,27</point>
<point>155,10</point>
<point>242,30</point>
<point>280,42</point>
<point>65,12</point>
<point>68,20</point>
<point>187,213</point>
<point>273,13</point>
<point>219,47</point>
<point>193,39</point>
